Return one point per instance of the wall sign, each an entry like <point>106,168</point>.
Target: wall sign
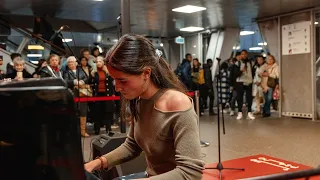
<point>296,38</point>
<point>179,40</point>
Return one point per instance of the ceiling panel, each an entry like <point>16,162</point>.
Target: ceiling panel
<point>155,17</point>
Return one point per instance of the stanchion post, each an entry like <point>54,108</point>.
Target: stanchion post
<point>197,101</point>
<point>196,95</point>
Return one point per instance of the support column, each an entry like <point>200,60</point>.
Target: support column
<point>125,16</point>
<point>125,29</point>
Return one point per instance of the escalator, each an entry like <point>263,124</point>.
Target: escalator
<point>31,47</point>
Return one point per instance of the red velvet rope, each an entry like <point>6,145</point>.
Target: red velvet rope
<point>107,98</point>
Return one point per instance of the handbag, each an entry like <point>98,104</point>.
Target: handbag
<point>272,82</point>
<point>85,91</point>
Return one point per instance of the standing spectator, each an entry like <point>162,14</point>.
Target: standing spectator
<point>257,91</point>
<point>103,86</point>
<point>184,72</point>
<point>224,86</point>
<point>10,67</point>
<point>52,69</point>
<point>209,85</point>
<point>95,52</point>
<point>233,80</point>
<point>244,84</point>
<point>19,72</point>
<point>198,80</point>
<point>270,75</point>
<point>77,80</point>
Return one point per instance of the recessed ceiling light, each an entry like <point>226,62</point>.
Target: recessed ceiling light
<point>236,47</point>
<point>263,44</point>
<point>115,40</point>
<point>191,29</point>
<point>161,44</point>
<point>255,48</point>
<point>244,33</point>
<point>35,47</point>
<point>316,23</point>
<point>97,0</point>
<point>189,9</point>
<point>34,55</point>
<point>34,62</point>
<point>66,40</point>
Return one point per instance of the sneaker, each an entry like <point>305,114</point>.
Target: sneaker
<point>231,113</point>
<point>239,116</point>
<point>250,116</point>
<point>114,126</point>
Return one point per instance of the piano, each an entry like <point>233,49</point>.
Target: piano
<point>39,132</point>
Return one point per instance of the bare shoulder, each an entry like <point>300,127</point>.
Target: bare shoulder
<point>173,100</point>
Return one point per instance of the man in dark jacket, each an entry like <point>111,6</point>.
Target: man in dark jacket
<point>209,85</point>
<point>184,71</point>
<point>234,74</point>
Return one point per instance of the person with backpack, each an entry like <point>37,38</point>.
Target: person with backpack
<point>184,72</point>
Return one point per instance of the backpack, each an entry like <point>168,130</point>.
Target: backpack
<point>178,71</point>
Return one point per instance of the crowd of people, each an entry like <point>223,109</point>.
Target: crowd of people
<point>85,76</point>
<point>242,82</point>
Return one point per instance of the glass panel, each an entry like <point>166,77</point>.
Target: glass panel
<point>317,50</point>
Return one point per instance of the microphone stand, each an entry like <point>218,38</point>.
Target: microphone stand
<point>219,166</point>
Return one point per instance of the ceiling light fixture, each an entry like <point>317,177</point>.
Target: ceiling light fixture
<point>161,44</point>
<point>192,29</point>
<point>244,33</point>
<point>189,9</point>
<point>263,44</point>
<point>316,22</point>
<point>35,47</point>
<point>34,55</point>
<point>66,40</point>
<point>236,47</point>
<point>255,48</point>
<point>34,62</point>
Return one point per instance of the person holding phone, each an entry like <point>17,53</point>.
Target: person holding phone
<point>19,71</point>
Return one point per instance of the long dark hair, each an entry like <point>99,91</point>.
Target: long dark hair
<point>131,54</point>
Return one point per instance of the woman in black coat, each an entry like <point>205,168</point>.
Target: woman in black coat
<point>52,69</point>
<point>76,78</point>
<point>103,86</point>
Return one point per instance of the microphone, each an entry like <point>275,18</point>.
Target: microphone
<point>56,33</point>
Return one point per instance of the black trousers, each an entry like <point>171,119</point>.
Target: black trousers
<point>103,116</point>
<point>241,89</point>
<point>211,99</point>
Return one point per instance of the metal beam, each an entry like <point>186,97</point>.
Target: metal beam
<point>125,16</point>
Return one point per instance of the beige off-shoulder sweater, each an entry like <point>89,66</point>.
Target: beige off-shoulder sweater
<point>170,141</point>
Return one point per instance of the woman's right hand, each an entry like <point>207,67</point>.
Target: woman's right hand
<point>92,165</point>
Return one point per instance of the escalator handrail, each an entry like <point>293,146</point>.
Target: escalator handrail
<point>31,34</point>
<point>8,40</point>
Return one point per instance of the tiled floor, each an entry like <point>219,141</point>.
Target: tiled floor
<point>291,139</point>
